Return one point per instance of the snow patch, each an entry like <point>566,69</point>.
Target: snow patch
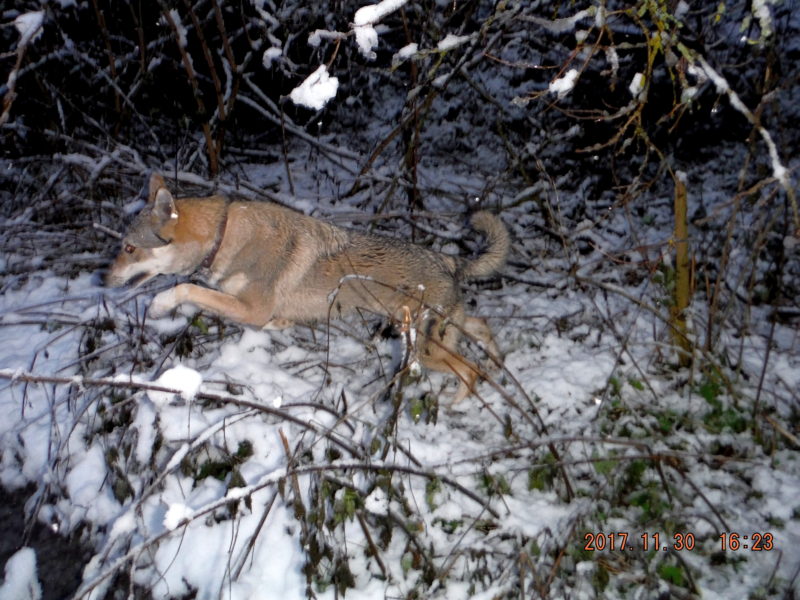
<point>180,30</point>
<point>567,23</point>
<point>377,502</point>
<point>29,26</point>
<point>88,489</point>
<point>636,87</point>
<point>21,582</point>
<point>451,41</point>
<point>184,380</point>
<point>407,51</point>
<point>124,525</point>
<point>176,514</point>
<point>681,10</point>
<point>762,13</point>
<point>270,56</point>
<point>365,18</point>
<point>563,85</point>
<point>317,89</point>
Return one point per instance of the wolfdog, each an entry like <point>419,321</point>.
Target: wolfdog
<point>267,266</point>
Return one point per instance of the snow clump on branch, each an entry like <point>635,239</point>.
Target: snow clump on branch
<point>365,18</point>
<point>182,379</point>
<point>563,85</point>
<point>29,26</point>
<point>317,89</point>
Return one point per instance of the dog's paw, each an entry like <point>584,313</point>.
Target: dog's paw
<point>276,324</point>
<point>163,303</point>
<point>463,391</point>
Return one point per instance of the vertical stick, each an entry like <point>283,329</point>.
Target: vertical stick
<point>211,146</point>
<point>101,21</point>
<point>683,290</point>
<point>412,133</point>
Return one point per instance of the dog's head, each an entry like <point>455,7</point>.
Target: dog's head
<point>149,248</point>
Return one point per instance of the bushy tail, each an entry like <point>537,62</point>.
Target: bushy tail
<point>494,257</point>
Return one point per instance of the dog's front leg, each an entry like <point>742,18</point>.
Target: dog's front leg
<point>163,303</point>
<point>219,303</point>
<point>277,324</point>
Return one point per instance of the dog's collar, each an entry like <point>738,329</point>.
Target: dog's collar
<point>209,259</point>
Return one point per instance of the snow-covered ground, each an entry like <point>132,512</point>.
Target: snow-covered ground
<point>283,461</point>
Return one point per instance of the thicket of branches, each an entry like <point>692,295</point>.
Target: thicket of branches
<point>181,82</point>
<point>202,87</point>
<point>107,90</point>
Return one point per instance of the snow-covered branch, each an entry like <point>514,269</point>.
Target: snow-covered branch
<point>29,25</point>
<point>779,171</point>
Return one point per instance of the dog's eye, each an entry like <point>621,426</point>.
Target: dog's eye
<point>129,248</point>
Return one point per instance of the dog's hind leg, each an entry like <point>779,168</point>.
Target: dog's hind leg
<point>438,351</point>
<point>477,328</point>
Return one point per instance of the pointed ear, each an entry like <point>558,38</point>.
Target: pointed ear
<point>156,182</point>
<point>164,205</point>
